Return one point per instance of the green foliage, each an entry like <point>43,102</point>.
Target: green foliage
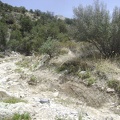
<point>9,19</point>
<point>13,100</point>
<point>15,40</point>
<point>114,84</point>
<point>24,116</point>
<point>71,66</point>
<point>25,62</point>
<point>80,116</point>
<point>29,32</point>
<point>69,44</point>
<point>62,37</point>
<point>3,36</point>
<point>50,47</point>
<point>33,80</point>
<point>90,81</point>
<point>84,75</point>
<point>26,24</point>
<point>94,25</point>
<point>22,9</point>
<point>69,21</point>
<point>2,55</point>
<point>18,70</point>
<point>26,45</point>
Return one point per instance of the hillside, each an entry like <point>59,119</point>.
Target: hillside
<point>53,69</point>
<point>26,31</point>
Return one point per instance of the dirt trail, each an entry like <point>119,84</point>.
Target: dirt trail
<point>56,104</point>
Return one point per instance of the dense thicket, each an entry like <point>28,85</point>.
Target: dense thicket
<point>29,31</point>
<point>94,24</point>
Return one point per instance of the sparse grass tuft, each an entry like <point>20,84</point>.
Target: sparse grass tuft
<point>25,62</point>
<point>84,75</point>
<point>33,80</point>
<point>24,116</point>
<point>13,100</point>
<point>18,70</point>
<point>80,117</point>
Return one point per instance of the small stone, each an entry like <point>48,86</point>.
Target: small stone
<point>42,101</point>
<point>56,94</point>
<point>110,90</point>
<point>83,72</point>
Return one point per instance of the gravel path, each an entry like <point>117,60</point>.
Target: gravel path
<point>42,103</point>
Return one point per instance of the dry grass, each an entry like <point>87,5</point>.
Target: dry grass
<point>107,65</point>
<point>88,95</point>
<point>108,68</point>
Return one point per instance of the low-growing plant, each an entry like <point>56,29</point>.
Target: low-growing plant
<point>13,100</point>
<point>80,117</point>
<point>84,75</point>
<point>84,66</point>
<point>71,66</point>
<point>24,116</point>
<point>114,84</point>
<point>90,81</point>
<point>33,80</point>
<point>17,116</point>
<point>23,76</point>
<point>35,65</point>
<point>2,56</point>
<point>18,70</point>
<point>24,63</point>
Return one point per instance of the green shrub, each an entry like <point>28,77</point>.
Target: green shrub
<point>71,66</point>
<point>90,81</point>
<point>95,25</point>
<point>114,84</point>
<point>33,80</point>
<point>50,47</point>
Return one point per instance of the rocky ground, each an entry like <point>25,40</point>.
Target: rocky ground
<point>46,98</point>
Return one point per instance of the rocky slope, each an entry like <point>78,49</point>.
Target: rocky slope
<point>46,98</point>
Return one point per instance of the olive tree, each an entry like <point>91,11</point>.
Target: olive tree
<point>95,25</point>
<point>50,47</point>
